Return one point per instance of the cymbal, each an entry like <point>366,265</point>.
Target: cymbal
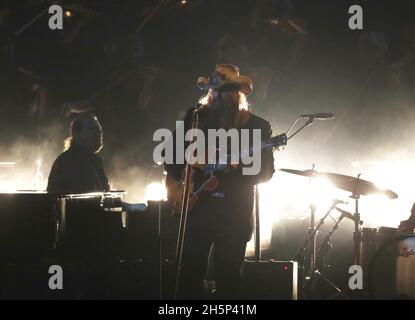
<point>304,173</point>
<point>348,183</point>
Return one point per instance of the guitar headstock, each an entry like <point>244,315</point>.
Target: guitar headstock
<point>279,140</point>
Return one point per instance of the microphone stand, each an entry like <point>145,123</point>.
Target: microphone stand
<point>160,242</point>
<point>309,122</point>
<point>257,239</point>
<point>258,256</point>
<point>311,118</point>
<point>185,207</point>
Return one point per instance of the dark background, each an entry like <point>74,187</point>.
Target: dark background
<point>138,76</point>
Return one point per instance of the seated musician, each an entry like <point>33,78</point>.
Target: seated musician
<point>79,169</point>
<point>408,226</point>
<point>224,216</point>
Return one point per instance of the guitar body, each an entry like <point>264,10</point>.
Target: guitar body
<point>175,189</point>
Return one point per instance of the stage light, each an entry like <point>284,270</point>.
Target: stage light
<point>68,14</point>
<point>321,193</point>
<point>397,175</point>
<point>7,186</point>
<point>286,197</point>
<point>155,192</point>
<point>183,2</point>
<point>7,164</point>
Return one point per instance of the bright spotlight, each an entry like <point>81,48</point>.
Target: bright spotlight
<point>321,193</point>
<point>7,164</point>
<point>389,173</point>
<point>68,14</point>
<point>155,192</point>
<point>7,186</point>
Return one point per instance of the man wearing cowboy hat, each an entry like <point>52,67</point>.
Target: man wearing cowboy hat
<point>224,216</point>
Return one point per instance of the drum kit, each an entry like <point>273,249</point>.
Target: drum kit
<point>364,239</point>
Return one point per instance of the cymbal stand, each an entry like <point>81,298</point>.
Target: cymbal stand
<point>326,245</point>
<point>312,229</point>
<point>357,233</point>
<point>312,236</point>
<point>326,242</point>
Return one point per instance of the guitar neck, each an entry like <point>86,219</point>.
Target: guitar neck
<point>275,142</point>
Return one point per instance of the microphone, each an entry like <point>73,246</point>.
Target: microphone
<point>348,215</point>
<point>319,116</point>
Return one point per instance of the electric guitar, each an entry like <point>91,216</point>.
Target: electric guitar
<point>175,188</point>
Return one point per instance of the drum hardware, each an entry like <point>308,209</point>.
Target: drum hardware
<point>339,292</point>
<point>357,232</point>
<point>325,248</point>
<point>391,269</point>
<point>351,184</point>
<point>326,242</point>
<point>312,230</point>
<point>357,187</point>
<point>313,271</point>
<point>369,244</point>
<point>312,238</point>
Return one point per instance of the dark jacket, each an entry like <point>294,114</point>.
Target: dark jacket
<point>230,206</point>
<point>77,170</point>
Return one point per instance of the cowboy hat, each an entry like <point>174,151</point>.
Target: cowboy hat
<point>226,78</point>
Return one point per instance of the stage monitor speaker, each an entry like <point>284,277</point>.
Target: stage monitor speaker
<point>269,280</point>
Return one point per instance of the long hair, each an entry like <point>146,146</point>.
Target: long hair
<point>241,105</point>
<point>207,100</point>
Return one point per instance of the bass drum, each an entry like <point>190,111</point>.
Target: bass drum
<point>367,248</point>
<point>392,269</point>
